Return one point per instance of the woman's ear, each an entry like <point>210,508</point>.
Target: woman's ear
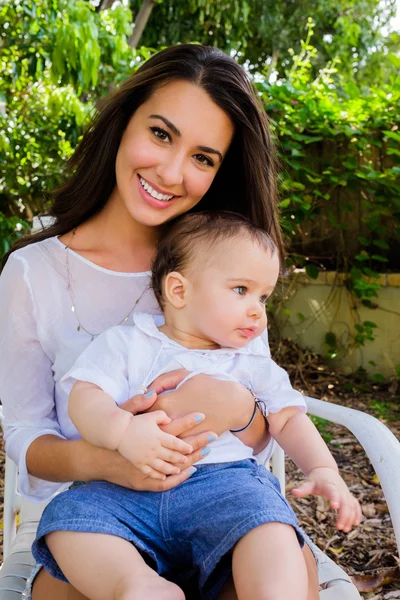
<point>175,289</point>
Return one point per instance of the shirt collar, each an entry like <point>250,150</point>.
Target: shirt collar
<point>149,325</point>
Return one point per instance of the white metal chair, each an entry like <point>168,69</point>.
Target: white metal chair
<point>381,446</point>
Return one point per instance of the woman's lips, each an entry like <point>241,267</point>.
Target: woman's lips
<point>148,198</point>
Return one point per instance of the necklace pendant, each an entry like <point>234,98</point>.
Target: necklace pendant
<point>125,320</point>
<point>78,328</point>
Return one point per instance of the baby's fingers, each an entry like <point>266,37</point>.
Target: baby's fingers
<point>152,473</point>
<point>164,467</point>
<point>306,488</point>
<point>346,516</point>
<point>174,443</point>
<point>171,456</point>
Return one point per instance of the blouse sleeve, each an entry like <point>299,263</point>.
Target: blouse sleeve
<point>105,363</point>
<point>26,377</point>
<point>271,384</point>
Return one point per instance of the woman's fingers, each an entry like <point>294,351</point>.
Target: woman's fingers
<point>168,381</point>
<point>199,441</point>
<point>139,403</point>
<point>181,425</point>
<point>169,482</point>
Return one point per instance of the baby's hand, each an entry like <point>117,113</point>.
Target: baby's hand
<point>327,482</point>
<point>151,450</point>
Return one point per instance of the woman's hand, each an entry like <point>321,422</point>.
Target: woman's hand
<point>226,405</point>
<point>115,468</point>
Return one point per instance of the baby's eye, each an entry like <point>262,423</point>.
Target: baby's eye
<point>204,160</point>
<point>160,134</point>
<point>240,289</point>
<point>264,299</point>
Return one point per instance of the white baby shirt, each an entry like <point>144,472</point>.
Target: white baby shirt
<point>124,360</point>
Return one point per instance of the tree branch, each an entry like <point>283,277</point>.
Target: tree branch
<point>140,22</point>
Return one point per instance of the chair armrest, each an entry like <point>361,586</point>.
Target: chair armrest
<point>379,443</point>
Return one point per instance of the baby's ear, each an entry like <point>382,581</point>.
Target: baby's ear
<point>175,289</point>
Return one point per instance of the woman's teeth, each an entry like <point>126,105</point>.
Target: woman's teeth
<point>153,193</point>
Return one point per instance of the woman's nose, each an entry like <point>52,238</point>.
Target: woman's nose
<point>170,171</point>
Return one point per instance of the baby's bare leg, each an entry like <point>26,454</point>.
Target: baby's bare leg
<point>229,592</point>
<point>106,567</point>
<point>268,564</point>
<point>45,587</point>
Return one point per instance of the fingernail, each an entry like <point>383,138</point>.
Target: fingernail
<point>212,438</point>
<point>205,451</point>
<point>149,394</point>
<point>199,418</point>
<point>192,470</point>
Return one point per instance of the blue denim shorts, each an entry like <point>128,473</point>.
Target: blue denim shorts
<point>186,534</point>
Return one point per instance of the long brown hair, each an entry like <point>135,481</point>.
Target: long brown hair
<point>246,180</point>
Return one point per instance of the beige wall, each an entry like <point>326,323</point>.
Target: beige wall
<point>327,306</point>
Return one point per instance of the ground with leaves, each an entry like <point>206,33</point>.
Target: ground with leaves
<point>368,552</point>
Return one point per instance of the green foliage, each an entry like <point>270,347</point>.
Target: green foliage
<point>261,33</point>
<point>56,58</point>
<point>11,228</point>
<point>340,155</point>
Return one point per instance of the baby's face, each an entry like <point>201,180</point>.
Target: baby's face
<point>227,296</point>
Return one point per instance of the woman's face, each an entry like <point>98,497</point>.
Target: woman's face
<point>170,152</point>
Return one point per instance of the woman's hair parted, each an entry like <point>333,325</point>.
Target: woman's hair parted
<point>188,235</point>
<point>246,180</point>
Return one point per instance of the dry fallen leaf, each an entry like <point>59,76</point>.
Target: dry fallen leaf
<point>370,582</point>
<point>323,507</point>
<point>368,510</point>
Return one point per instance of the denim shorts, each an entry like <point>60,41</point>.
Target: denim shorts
<point>186,534</point>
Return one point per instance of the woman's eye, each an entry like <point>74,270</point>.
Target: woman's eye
<point>240,289</point>
<point>264,300</point>
<point>204,160</point>
<point>160,134</point>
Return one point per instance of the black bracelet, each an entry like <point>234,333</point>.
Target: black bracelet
<point>253,416</point>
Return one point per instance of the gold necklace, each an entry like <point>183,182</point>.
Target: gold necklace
<point>81,327</point>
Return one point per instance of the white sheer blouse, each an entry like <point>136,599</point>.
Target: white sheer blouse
<point>40,341</point>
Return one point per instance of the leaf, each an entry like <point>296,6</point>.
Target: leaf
<point>369,583</point>
<point>330,339</point>
<point>312,271</point>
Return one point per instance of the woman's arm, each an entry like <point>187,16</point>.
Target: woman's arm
<point>226,405</point>
<point>54,459</point>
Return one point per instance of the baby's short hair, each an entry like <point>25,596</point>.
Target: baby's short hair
<point>177,248</point>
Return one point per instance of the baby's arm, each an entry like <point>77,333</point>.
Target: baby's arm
<point>136,437</point>
<point>297,435</point>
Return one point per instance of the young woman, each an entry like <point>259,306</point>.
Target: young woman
<point>186,132</point>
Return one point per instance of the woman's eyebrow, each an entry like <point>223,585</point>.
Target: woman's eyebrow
<point>168,123</point>
<point>176,132</point>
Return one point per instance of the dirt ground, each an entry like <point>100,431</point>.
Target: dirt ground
<point>368,552</point>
